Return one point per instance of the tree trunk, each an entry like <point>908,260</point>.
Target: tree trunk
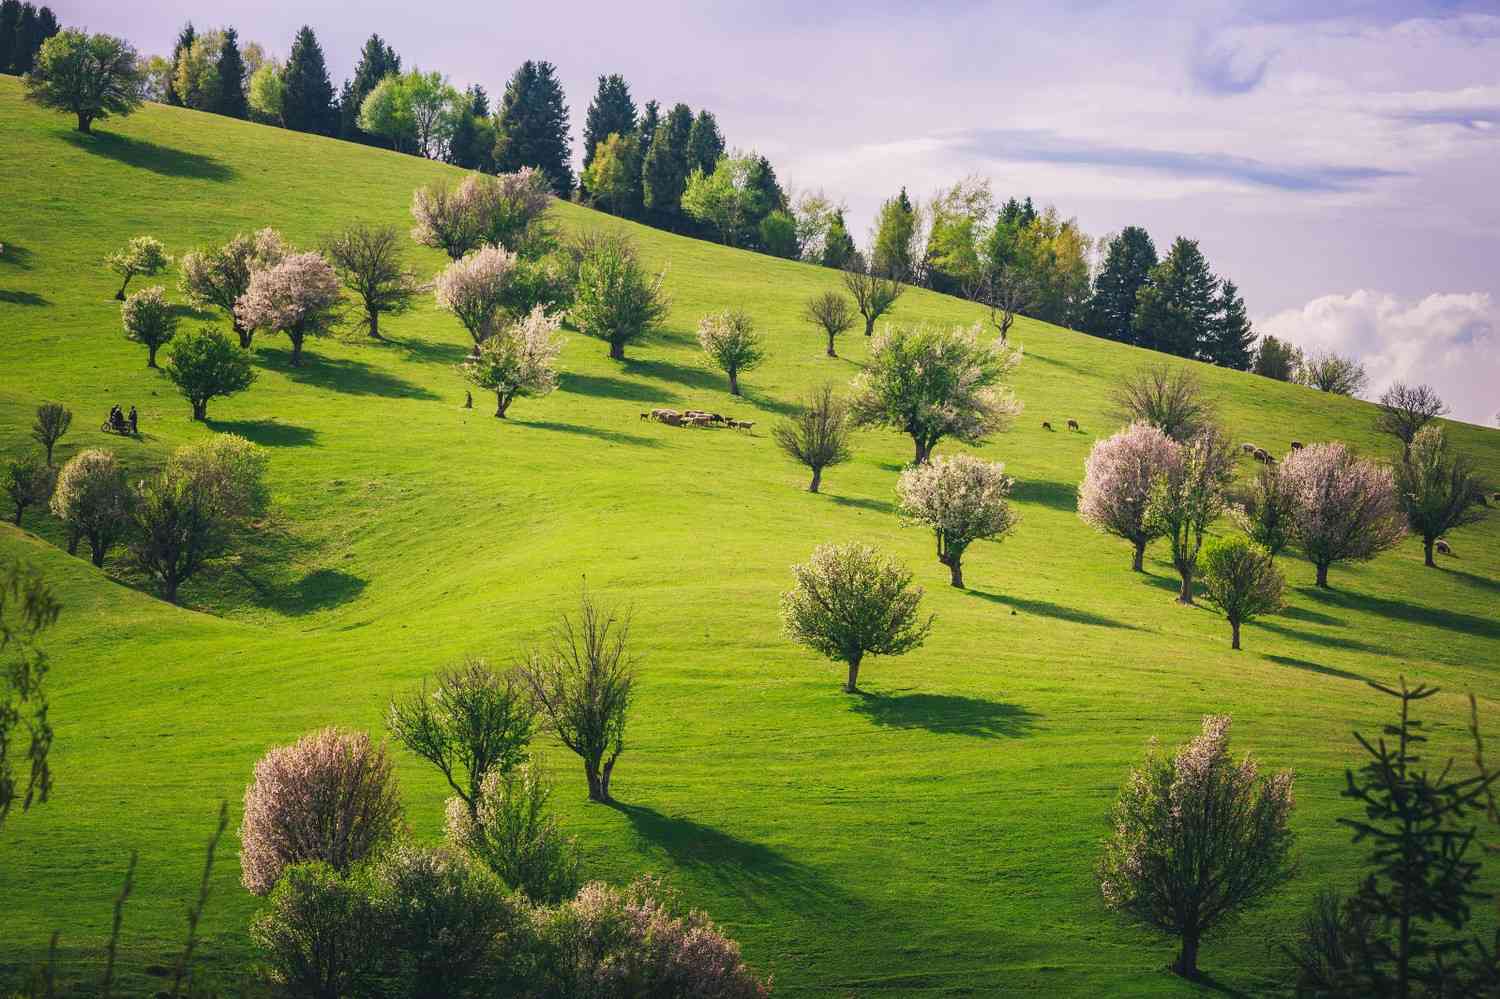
<point>617,349</point>
<point>1426,551</point>
<point>245,335</point>
<point>1234,634</point>
<point>598,788</point>
<point>604,776</point>
<point>151,356</point>
<point>1187,959</point>
<point>296,361</point>
<point>1138,562</point>
<point>50,446</point>
<point>1185,594</point>
<point>830,346</point>
<point>19,509</point>
<point>96,551</point>
<point>816,479</point>
<point>734,383</point>
<point>200,409</point>
<point>852,686</point>
<point>1323,575</point>
<point>869,325</point>
<point>502,403</point>
<point>956,570</point>
<point>921,451</point>
<point>120,295</point>
<point>169,585</point>
<point>85,121</point>
<point>73,540</point>
<point>374,317</point>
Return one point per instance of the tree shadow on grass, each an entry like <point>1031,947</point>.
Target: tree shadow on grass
<point>268,433</point>
<point>1057,495</point>
<point>342,374</point>
<point>1047,608</point>
<point>1209,983</point>
<point>769,403</point>
<point>1310,616</point>
<point>599,433</point>
<point>1400,610</point>
<point>10,297</point>
<point>1470,579</point>
<point>186,310</point>
<point>682,374</point>
<point>146,155</point>
<point>1327,641</point>
<point>947,714</point>
<point>321,589</point>
<point>426,351</point>
<point>1313,667</point>
<point>15,255</point>
<point>610,387</point>
<point>863,503</point>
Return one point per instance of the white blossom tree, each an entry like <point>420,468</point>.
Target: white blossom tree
<point>1343,507</point>
<point>297,296</point>
<point>1116,487</point>
<point>218,276</point>
<point>143,256</point>
<point>962,499</point>
<point>519,360</point>
<point>730,341</point>
<point>1187,494</point>
<point>473,289</point>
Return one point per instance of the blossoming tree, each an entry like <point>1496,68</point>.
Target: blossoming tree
<point>520,360</point>
<point>297,297</point>
<point>963,500</point>
<point>1117,477</point>
<point>1343,508</point>
<point>473,289</point>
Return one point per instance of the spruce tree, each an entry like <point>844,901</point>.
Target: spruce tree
<point>377,60</point>
<point>308,92</point>
<point>185,39</point>
<point>472,145</point>
<point>533,126</point>
<point>26,43</point>
<point>1231,339</point>
<point>664,170</point>
<point>231,99</point>
<point>10,24</point>
<point>766,197</point>
<point>1127,267</point>
<point>895,227</point>
<point>838,245</point>
<point>611,112</point>
<point>1175,310</point>
<point>705,143</point>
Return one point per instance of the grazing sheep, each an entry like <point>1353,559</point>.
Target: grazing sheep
<point>1249,448</point>
<point>645,416</point>
<point>1442,548</point>
<point>662,414</point>
<point>1296,445</point>
<point>1046,425</point>
<point>1263,456</point>
<point>1073,425</point>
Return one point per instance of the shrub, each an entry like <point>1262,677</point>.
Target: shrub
<point>149,319</point>
<point>515,835</point>
<point>329,797</point>
<point>296,296</point>
<point>1406,409</point>
<point>1438,488</point>
<point>1116,487</point>
<point>616,300</point>
<point>1241,579</point>
<point>89,76</point>
<point>546,282</point>
<point>932,384</point>
<point>508,211</point>
<point>962,500</point>
<point>218,277</point>
<point>873,292</point>
<point>92,500</point>
<point>1264,512</point>
<point>1168,398</point>
<point>1188,494</point>
<point>144,255</point>
<point>517,361</point>
<point>28,482</point>
<point>368,261</point>
<point>818,436</point>
<point>474,722</point>
<point>474,289</point>
<point>583,683</point>
<point>1333,373</point>
<point>205,365</point>
<point>848,602</point>
<point>1197,838</point>
<point>27,608</point>
<point>320,936</point>
<point>611,943</point>
<point>830,312</point>
<point>730,341</point>
<point>52,422</point>
<point>1343,508</point>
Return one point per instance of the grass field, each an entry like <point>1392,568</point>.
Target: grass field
<point>935,836</point>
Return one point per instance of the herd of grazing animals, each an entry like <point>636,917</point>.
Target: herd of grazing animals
<point>696,418</point>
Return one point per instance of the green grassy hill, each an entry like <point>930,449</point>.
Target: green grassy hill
<point>934,837</point>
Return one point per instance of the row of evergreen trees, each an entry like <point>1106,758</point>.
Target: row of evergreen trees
<point>23,29</point>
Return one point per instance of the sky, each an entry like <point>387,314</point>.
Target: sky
<point>1338,160</point>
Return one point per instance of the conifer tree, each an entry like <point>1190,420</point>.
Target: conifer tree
<point>838,245</point>
<point>472,145</point>
<point>895,230</point>
<point>231,97</point>
<point>185,39</point>
<point>1127,266</point>
<point>664,171</point>
<point>705,143</point>
<point>1230,337</point>
<point>766,197</point>
<point>377,60</point>
<point>533,126</point>
<point>1175,310</point>
<point>26,41</point>
<point>308,101</point>
<point>10,24</point>
<point>611,112</point>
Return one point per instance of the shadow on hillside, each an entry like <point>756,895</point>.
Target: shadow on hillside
<point>15,255</point>
<point>1311,616</point>
<point>1057,495</point>
<point>342,374</point>
<point>1327,641</point>
<point>1047,608</point>
<point>184,310</point>
<point>863,503</point>
<point>682,374</point>
<point>599,433</point>
<point>1313,667</point>
<point>321,589</point>
<point>1470,579</point>
<point>947,714</point>
<point>427,351</point>
<point>10,297</point>
<point>149,156</point>
<point>268,433</point>
<point>1400,610</point>
<point>1211,984</point>
<point>1090,373</point>
<point>610,387</point>
<point>752,871</point>
<point>769,403</point>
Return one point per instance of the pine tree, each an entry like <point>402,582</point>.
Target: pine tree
<point>1127,267</point>
<point>705,143</point>
<point>377,60</point>
<point>10,24</point>
<point>895,227</point>
<point>307,92</point>
<point>231,98</point>
<point>766,197</point>
<point>611,112</point>
<point>838,245</point>
<point>664,170</point>
<point>533,126</point>
<point>1175,310</point>
<point>185,39</point>
<point>472,145</point>
<point>1231,339</point>
<point>27,28</point>
<point>26,44</point>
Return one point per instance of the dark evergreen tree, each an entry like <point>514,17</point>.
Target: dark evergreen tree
<point>472,145</point>
<point>377,60</point>
<point>532,126</point>
<point>705,143</point>
<point>349,114</point>
<point>10,25</point>
<point>838,245</point>
<point>1276,359</point>
<point>1231,340</point>
<point>766,197</point>
<point>1018,214</point>
<point>185,39</point>
<point>1127,268</point>
<point>26,40</point>
<point>231,100</point>
<point>307,95</point>
<point>611,112</point>
<point>664,170</point>
<point>1174,312</point>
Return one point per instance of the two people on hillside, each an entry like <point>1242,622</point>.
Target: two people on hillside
<point>120,423</point>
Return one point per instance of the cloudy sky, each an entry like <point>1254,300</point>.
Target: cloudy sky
<point>1338,160</point>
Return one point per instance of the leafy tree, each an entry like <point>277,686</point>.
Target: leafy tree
<point>818,435</point>
<point>1276,359</point>
<point>472,142</point>
<point>730,341</point>
<point>959,217</point>
<point>185,39</point>
<point>1406,409</point>
<point>848,602</point>
<point>1240,578</point>
<point>1439,489</point>
<point>583,682</point>
<point>705,144</point>
<point>932,383</point>
<point>1053,254</point>
<point>10,24</point>
<point>830,312</point>
<point>206,365</point>
<point>319,934</point>
<point>513,832</point>
<point>369,262</point>
<point>1175,310</point>
<point>473,289</point>
<point>28,607</point>
<point>1187,495</point>
<point>1264,512</point>
<point>838,245</point>
<point>778,235</point>
<point>519,360</point>
<point>144,255</point>
<point>533,126</point>
<point>611,112</point>
<point>1332,373</point>
<point>1116,487</point>
<point>1005,291</point>
<point>1167,397</point>
<point>723,198</point>
<point>873,292</point>
<point>217,277</point>
<point>297,296</point>
<point>92,501</point>
<point>616,300</point>
<point>1230,338</point>
<point>894,252</point>
<point>232,78</point>
<point>664,171</point>
<point>613,178</point>
<point>962,499</point>
<point>377,60</point>
<point>52,422</point>
<point>149,319</point>
<point>307,92</point>
<point>1128,261</point>
<point>1197,839</point>
<point>1343,508</point>
<point>27,481</point>
<point>413,111</point>
<point>507,211</point>
<point>267,93</point>
<point>195,77</point>
<point>472,723</point>
<point>89,76</point>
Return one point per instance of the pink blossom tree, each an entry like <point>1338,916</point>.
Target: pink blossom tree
<point>1196,838</point>
<point>962,499</point>
<point>1343,508</point>
<point>330,796</point>
<point>218,276</point>
<point>297,297</point>
<point>1187,495</point>
<point>506,211</point>
<point>473,289</point>
<point>1116,487</point>
<point>520,360</point>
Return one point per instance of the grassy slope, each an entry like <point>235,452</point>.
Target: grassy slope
<point>933,837</point>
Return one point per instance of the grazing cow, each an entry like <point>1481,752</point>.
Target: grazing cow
<point>1442,547</point>
<point>1073,425</point>
<point>1249,448</point>
<point>1046,425</point>
<point>1296,445</point>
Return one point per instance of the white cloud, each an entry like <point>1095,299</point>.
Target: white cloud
<point>1448,341</point>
